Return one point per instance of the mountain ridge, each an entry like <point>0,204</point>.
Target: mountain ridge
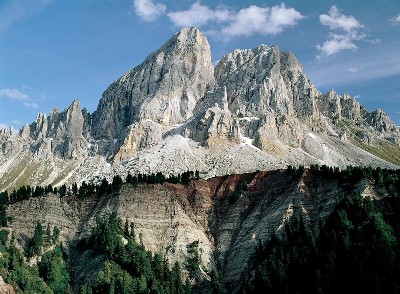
<point>255,110</point>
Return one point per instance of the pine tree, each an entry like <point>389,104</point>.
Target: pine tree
<point>36,243</point>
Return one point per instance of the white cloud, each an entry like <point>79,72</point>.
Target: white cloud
<point>4,126</point>
<point>246,22</point>
<point>395,20</point>
<point>335,44</point>
<point>13,94</point>
<point>261,20</point>
<point>335,20</point>
<point>148,10</point>
<point>198,15</point>
<point>31,105</point>
<point>349,28</point>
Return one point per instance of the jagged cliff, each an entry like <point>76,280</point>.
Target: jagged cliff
<point>256,110</point>
<point>227,219</point>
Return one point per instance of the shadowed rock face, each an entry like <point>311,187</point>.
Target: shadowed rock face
<point>256,110</point>
<point>169,217</point>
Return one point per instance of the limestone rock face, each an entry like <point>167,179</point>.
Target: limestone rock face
<point>330,105</point>
<point>266,80</point>
<point>352,109</point>
<point>381,122</point>
<point>63,134</point>
<point>140,135</point>
<point>164,88</point>
<point>10,143</point>
<point>214,127</point>
<point>271,87</point>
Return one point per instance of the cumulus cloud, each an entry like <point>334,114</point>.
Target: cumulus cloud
<point>261,20</point>
<point>13,94</point>
<point>335,44</point>
<point>395,20</point>
<point>198,15</point>
<point>148,10</point>
<point>348,28</point>
<point>335,20</point>
<point>246,22</point>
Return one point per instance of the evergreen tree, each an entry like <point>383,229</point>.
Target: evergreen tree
<point>54,271</point>
<point>63,190</point>
<point>36,243</point>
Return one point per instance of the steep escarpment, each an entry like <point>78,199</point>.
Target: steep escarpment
<point>228,216</point>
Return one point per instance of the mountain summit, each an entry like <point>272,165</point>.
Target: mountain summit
<point>165,88</point>
<point>256,110</point>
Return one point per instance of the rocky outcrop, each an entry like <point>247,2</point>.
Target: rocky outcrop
<point>381,122</point>
<point>164,88</point>
<point>6,288</point>
<point>63,135</point>
<point>265,80</point>
<point>215,127</point>
<point>140,135</point>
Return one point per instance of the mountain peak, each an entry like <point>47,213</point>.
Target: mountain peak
<point>187,40</point>
<point>164,88</point>
<point>189,34</point>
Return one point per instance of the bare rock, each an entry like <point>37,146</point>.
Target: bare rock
<point>6,288</point>
<point>140,135</point>
<point>164,88</point>
<point>381,122</point>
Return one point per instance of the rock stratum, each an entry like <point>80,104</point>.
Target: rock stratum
<point>255,110</point>
<point>227,225</point>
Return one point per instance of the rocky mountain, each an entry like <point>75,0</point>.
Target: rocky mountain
<point>255,110</point>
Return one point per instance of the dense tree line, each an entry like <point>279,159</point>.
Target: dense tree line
<point>89,189</point>
<point>351,174</point>
<point>355,251</point>
<point>129,268</point>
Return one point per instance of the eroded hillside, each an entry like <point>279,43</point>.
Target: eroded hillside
<point>228,215</point>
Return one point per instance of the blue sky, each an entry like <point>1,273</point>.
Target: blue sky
<point>55,51</point>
